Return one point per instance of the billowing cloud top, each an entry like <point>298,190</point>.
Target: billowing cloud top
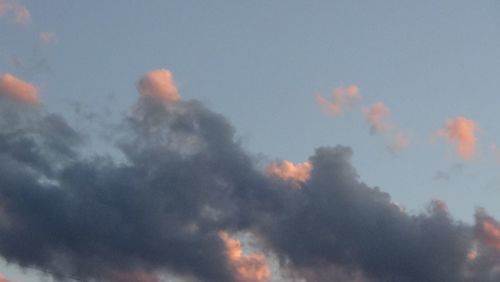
<point>461,132</point>
<point>14,87</point>
<point>159,84</point>
<point>288,171</point>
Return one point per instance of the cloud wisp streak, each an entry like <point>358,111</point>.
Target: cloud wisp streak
<point>184,183</point>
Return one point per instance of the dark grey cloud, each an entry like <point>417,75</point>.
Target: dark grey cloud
<point>182,178</point>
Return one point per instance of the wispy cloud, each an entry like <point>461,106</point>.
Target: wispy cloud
<point>15,12</point>
<point>342,100</point>
<point>47,38</point>
<point>378,117</point>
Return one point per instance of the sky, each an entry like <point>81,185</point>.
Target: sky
<point>249,94</point>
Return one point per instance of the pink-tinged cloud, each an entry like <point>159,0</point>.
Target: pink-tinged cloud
<point>159,84</point>
<point>15,11</point>
<point>343,99</point>
<point>472,255</point>
<point>487,231</point>
<point>288,171</point>
<point>377,117</point>
<point>247,268</point>
<point>15,88</point>
<point>3,279</point>
<point>47,38</point>
<point>461,132</point>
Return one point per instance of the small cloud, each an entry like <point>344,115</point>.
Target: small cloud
<point>13,87</point>
<point>377,117</point>
<point>461,132</point>
<point>47,38</point>
<point>379,120</point>
<point>15,12</point>
<point>288,171</point>
<point>159,84</point>
<point>343,99</point>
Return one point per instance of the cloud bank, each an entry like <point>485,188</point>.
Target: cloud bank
<point>183,186</point>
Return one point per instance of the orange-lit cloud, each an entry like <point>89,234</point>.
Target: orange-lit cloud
<point>47,38</point>
<point>488,231</point>
<point>343,99</point>
<point>17,12</point>
<point>377,117</point>
<point>20,90</point>
<point>247,268</point>
<point>159,84</point>
<point>288,171</point>
<point>461,132</point>
<point>3,279</point>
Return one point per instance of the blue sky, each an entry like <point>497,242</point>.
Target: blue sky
<point>262,64</point>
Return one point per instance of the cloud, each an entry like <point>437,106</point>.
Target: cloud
<point>288,171</point>
<point>487,230</point>
<point>47,38</point>
<point>159,84</point>
<point>15,11</point>
<point>180,179</point>
<point>461,132</point>
<point>3,279</point>
<point>377,117</point>
<point>248,268</point>
<point>343,99</point>
<point>398,142</point>
<point>14,87</point>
